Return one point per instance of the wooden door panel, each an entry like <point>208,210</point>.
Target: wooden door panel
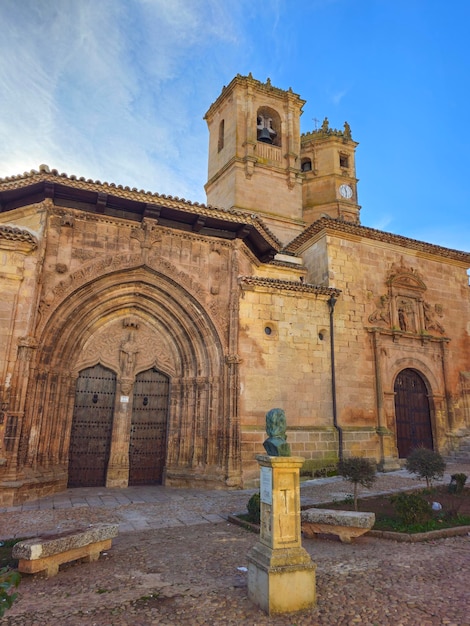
<point>413,418</point>
<point>92,422</point>
<point>147,446</point>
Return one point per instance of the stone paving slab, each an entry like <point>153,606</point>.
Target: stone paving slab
<point>165,507</point>
<point>165,569</point>
<point>189,576</point>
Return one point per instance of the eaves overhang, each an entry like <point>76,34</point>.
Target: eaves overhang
<point>342,228</point>
<point>121,202</point>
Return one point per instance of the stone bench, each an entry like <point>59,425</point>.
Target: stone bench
<point>345,524</point>
<point>46,553</point>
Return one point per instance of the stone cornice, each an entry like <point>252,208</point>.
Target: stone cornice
<point>249,81</point>
<point>396,334</point>
<point>118,201</point>
<point>250,282</point>
<point>341,227</point>
<point>17,238</point>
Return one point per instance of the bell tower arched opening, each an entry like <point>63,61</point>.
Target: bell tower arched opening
<point>268,126</point>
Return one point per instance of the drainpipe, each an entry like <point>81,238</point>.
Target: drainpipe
<point>331,305</point>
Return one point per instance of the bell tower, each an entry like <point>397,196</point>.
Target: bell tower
<point>330,184</point>
<point>254,154</point>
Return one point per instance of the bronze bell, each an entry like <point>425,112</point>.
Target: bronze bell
<point>265,136</point>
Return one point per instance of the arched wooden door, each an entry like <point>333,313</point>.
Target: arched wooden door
<point>92,423</point>
<point>413,417</point>
<point>147,445</point>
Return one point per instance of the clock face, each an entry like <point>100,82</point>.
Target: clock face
<point>346,191</point>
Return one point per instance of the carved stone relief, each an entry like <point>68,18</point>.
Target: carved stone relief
<point>403,307</point>
<point>128,346</point>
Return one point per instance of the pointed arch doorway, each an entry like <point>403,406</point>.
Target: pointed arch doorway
<point>92,425</point>
<point>412,413</point>
<point>147,445</point>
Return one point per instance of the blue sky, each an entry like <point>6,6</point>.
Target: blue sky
<point>116,90</point>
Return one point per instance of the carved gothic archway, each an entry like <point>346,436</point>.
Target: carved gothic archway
<point>132,321</point>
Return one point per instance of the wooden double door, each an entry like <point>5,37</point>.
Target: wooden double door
<point>92,427</point>
<point>412,413</point>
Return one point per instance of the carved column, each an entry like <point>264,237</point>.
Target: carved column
<point>117,474</point>
<point>447,392</point>
<point>388,451</point>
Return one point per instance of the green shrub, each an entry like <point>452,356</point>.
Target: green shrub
<point>359,471</point>
<point>426,464</point>
<point>254,508</point>
<point>457,482</point>
<point>412,508</point>
<point>8,579</point>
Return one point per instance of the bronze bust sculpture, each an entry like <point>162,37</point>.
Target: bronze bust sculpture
<point>276,425</point>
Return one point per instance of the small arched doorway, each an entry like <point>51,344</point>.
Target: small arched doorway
<point>412,413</point>
<point>92,425</point>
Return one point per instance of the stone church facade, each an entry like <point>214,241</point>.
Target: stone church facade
<point>143,337</point>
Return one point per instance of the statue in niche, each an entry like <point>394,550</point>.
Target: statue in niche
<point>127,357</point>
<point>406,315</point>
<point>276,426</point>
<point>402,319</point>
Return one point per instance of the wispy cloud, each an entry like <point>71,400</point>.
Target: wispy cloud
<point>338,96</point>
<point>105,89</point>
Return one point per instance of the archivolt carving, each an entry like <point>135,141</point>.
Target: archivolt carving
<point>84,255</point>
<point>218,314</point>
<point>127,350</point>
<point>125,261</point>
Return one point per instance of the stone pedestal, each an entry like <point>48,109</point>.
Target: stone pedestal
<point>281,575</point>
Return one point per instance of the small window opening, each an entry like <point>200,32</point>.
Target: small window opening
<point>306,165</point>
<point>220,144</point>
<point>344,160</point>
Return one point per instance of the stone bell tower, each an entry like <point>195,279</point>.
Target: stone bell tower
<point>254,154</point>
<point>330,184</point>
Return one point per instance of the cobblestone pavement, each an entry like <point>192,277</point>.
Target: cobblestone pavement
<point>176,561</point>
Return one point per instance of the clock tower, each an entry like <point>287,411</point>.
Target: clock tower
<point>330,184</point>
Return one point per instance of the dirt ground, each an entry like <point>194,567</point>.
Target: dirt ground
<point>178,561</point>
<point>190,575</point>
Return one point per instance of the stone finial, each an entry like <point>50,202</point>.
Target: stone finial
<point>276,426</point>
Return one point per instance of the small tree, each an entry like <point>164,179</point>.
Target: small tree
<point>254,508</point>
<point>426,464</point>
<point>8,580</point>
<point>358,471</point>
